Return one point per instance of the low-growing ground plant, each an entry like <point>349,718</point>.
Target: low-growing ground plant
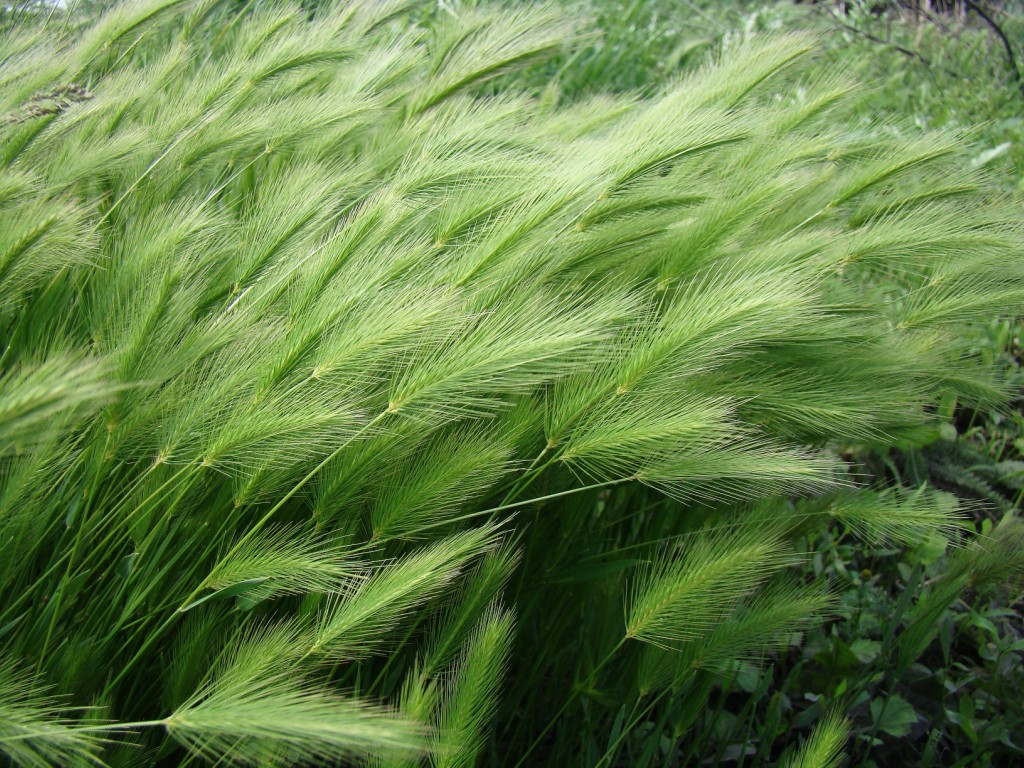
<point>957,702</point>
<point>355,409</point>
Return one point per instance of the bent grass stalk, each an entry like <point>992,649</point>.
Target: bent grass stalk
<point>284,500</point>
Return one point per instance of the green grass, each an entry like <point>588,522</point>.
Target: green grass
<point>933,71</point>
<point>358,405</point>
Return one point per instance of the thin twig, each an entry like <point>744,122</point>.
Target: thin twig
<point>1011,58</point>
<point>895,46</point>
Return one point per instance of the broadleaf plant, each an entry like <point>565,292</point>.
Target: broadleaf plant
<point>357,404</point>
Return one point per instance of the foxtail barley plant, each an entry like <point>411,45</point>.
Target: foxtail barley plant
<point>357,406</point>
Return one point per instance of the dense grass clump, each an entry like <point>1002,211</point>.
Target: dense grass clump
<point>349,412</point>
